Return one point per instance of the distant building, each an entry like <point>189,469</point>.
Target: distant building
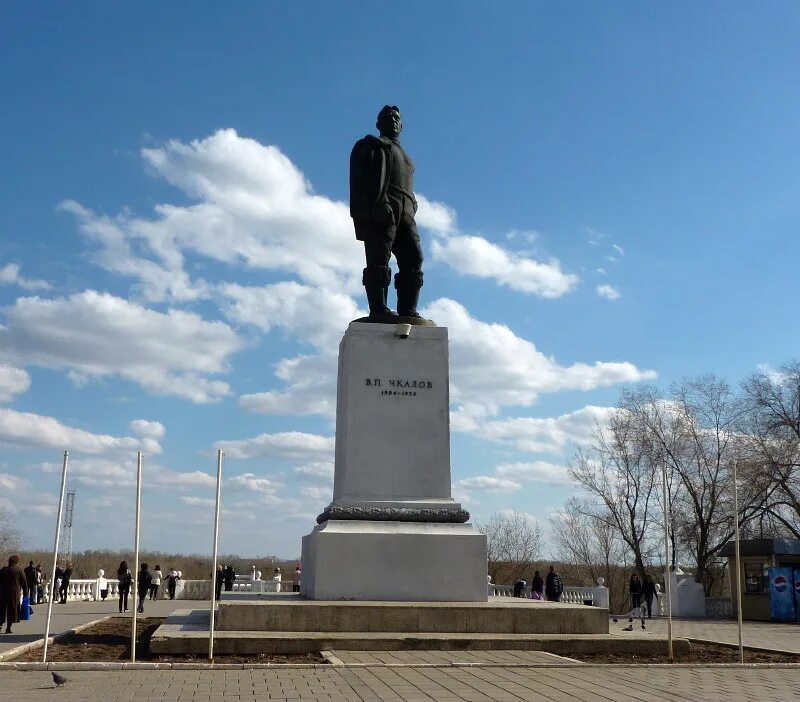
<point>757,556</point>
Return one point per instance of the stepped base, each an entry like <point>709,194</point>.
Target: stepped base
<point>500,615</point>
<point>186,632</point>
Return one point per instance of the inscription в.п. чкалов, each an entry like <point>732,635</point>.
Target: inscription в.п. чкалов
<point>399,384</point>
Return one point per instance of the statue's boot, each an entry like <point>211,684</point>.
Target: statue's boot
<point>408,286</point>
<point>376,284</point>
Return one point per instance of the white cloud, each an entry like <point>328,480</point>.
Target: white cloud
<point>318,472</point>
<point>436,216</point>
<point>545,434</point>
<point>608,291</point>
<point>534,472</point>
<point>291,446</point>
<point>253,207</point>
<point>12,483</point>
<point>492,367</point>
<point>97,334</point>
<point>197,501</point>
<point>489,483</point>
<point>13,381</point>
<point>602,271</point>
<point>313,314</point>
<point>474,255</point>
<point>9,275</point>
<point>192,478</point>
<point>34,430</point>
<point>311,388</point>
<point>316,493</point>
<point>618,249</point>
<point>146,428</point>
<point>252,482</point>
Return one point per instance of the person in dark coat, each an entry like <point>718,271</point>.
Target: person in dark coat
<point>554,586</point>
<point>30,578</point>
<point>125,579</point>
<point>635,587</point>
<point>537,586</point>
<point>143,585</point>
<point>519,586</point>
<point>649,592</point>
<point>230,576</point>
<point>65,578</point>
<point>219,580</point>
<point>13,586</point>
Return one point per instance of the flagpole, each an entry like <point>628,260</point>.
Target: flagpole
<point>136,554</point>
<point>55,557</point>
<point>667,574</point>
<point>738,562</point>
<point>214,560</point>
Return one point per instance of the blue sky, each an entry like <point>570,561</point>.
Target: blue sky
<point>609,195</point>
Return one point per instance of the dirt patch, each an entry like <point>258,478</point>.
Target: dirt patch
<point>110,641</point>
<point>698,653</point>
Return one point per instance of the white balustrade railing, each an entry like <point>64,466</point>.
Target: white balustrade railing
<point>593,596</point>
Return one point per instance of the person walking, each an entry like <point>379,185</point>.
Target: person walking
<point>649,592</point>
<point>296,576</point>
<point>519,586</point>
<point>172,583</point>
<point>13,587</point>
<point>30,578</point>
<point>102,584</point>
<point>125,579</point>
<point>143,586</point>
<point>635,588</point>
<point>65,578</point>
<point>57,577</point>
<point>537,586</point>
<point>230,577</point>
<point>157,575</point>
<point>554,586</point>
<point>219,579</point>
<point>39,583</point>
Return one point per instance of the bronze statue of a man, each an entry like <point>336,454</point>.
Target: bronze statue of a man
<point>382,205</point>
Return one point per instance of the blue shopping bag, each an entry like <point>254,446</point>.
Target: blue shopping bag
<point>25,609</point>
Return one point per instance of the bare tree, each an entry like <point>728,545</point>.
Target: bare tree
<point>618,475</point>
<point>513,541</point>
<point>773,404</point>
<point>696,430</point>
<point>10,537</point>
<point>585,540</point>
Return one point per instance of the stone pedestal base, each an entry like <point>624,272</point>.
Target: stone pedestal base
<point>404,561</point>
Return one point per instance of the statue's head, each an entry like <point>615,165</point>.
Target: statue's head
<point>390,124</point>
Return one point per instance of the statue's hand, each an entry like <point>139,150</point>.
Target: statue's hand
<point>383,213</point>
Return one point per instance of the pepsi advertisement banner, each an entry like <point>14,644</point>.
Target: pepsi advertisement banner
<point>781,594</point>
<point>797,594</point>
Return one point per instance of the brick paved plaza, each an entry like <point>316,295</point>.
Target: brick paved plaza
<point>383,684</point>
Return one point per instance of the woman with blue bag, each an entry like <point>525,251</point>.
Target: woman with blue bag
<point>13,588</point>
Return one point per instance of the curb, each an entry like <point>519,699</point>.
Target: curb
<point>79,666</point>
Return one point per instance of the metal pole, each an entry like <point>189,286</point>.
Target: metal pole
<point>55,557</point>
<point>214,564</point>
<point>136,554</point>
<point>738,562</point>
<point>667,574</point>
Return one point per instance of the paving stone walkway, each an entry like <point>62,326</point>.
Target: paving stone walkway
<point>784,637</point>
<point>376,684</point>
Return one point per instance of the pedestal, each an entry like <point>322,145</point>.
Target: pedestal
<point>393,530</point>
<point>383,560</point>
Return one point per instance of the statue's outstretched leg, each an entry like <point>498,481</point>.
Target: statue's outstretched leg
<point>408,284</point>
<point>376,281</point>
